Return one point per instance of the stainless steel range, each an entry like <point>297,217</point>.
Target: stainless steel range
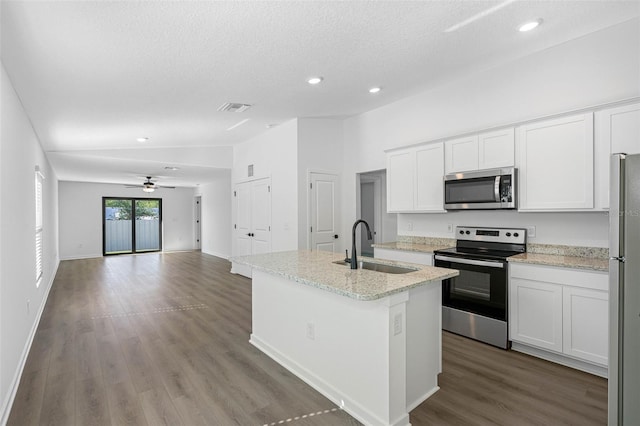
<point>474,304</point>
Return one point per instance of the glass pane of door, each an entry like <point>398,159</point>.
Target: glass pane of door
<point>147,225</point>
<point>117,226</point>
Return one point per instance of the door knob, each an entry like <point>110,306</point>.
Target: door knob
<point>335,236</point>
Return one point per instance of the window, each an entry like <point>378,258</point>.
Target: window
<point>131,225</point>
<point>39,219</point>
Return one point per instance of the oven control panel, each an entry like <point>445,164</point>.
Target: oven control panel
<point>495,235</point>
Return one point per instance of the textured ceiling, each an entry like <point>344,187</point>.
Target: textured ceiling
<point>95,75</point>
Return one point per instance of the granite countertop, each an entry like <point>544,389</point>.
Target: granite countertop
<point>409,246</point>
<point>590,258</point>
<point>316,269</point>
<point>578,262</point>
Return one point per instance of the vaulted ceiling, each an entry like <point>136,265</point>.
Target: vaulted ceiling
<point>94,76</point>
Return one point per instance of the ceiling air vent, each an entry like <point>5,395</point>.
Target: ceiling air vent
<point>234,107</point>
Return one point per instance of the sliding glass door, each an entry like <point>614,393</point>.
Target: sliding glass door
<point>131,225</point>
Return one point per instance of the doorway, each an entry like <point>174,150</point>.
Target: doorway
<point>371,205</point>
<point>131,225</point>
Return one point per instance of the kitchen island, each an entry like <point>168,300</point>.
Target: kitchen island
<point>369,341</point>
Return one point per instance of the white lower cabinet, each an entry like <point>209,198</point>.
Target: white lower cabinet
<point>536,313</point>
<point>560,314</point>
<point>585,322</point>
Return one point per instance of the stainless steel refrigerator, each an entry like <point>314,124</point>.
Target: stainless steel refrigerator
<point>624,291</point>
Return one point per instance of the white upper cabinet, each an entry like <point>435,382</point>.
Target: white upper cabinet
<point>415,179</point>
<point>617,131</point>
<point>401,178</point>
<point>461,155</point>
<point>429,195</point>
<point>487,150</point>
<point>621,127</point>
<point>496,149</point>
<point>556,164</point>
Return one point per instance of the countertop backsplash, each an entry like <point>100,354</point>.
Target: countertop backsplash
<point>428,241</point>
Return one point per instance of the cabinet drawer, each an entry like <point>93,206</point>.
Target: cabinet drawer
<point>595,280</point>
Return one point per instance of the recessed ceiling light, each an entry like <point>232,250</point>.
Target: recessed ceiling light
<point>315,80</point>
<point>142,139</point>
<point>374,90</point>
<point>529,25</point>
<point>172,168</point>
<point>270,126</point>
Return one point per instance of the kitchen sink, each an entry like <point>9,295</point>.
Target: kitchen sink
<point>379,267</point>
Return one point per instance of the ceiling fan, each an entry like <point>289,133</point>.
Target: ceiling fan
<point>149,185</point>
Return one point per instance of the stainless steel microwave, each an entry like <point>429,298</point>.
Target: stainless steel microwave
<point>483,189</point>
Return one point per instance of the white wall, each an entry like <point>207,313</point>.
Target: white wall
<point>20,153</point>
<point>216,217</point>
<point>274,154</point>
<point>319,149</point>
<point>81,217</point>
<point>598,68</point>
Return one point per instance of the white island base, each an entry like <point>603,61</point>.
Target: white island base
<point>377,359</point>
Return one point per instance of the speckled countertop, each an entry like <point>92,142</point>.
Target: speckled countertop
<point>316,269</point>
<point>591,263</point>
<point>591,258</point>
<point>423,248</point>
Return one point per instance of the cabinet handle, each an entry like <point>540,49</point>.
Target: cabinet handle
<point>335,236</point>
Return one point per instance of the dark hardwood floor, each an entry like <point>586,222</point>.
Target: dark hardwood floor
<point>163,339</point>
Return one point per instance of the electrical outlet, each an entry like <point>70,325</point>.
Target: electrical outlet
<point>311,331</point>
<point>409,226</point>
<point>531,231</point>
<point>397,324</point>
<point>449,227</point>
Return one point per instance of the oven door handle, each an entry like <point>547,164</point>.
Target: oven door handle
<point>487,263</point>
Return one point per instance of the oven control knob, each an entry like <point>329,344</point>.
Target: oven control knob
<point>516,234</point>
<point>467,232</point>
<point>461,232</point>
<point>508,234</point>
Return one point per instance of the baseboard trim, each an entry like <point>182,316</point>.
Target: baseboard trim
<point>587,367</point>
<point>220,255</point>
<point>334,395</point>
<point>423,398</point>
<point>84,256</point>
<point>8,403</point>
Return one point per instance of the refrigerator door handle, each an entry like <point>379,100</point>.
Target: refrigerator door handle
<point>616,206</point>
<point>615,355</point>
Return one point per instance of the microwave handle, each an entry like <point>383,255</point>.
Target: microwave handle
<point>496,189</point>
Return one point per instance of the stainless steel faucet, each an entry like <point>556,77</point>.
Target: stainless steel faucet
<point>354,258</point>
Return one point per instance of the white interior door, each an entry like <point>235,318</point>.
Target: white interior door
<point>324,217</point>
<point>198,224</point>
<point>261,216</point>
<point>243,219</point>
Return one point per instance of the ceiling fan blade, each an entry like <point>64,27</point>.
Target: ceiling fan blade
<point>165,187</point>
<point>133,186</point>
